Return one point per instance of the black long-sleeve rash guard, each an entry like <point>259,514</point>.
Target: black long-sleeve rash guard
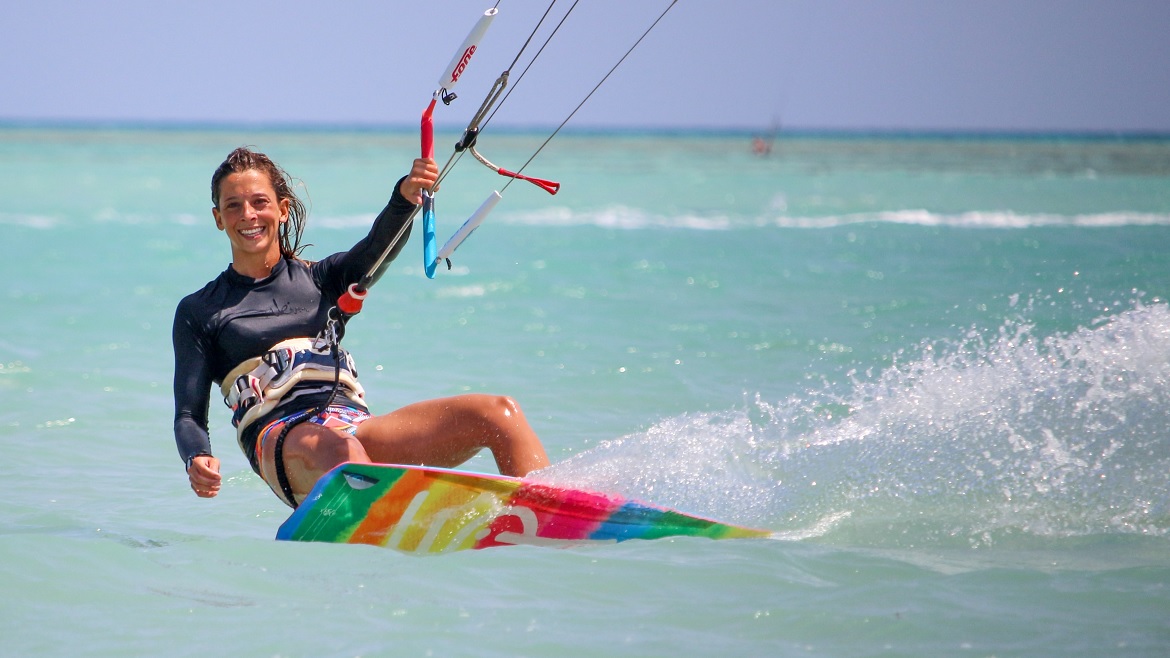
<point>235,318</point>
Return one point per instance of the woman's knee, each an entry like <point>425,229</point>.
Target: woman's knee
<point>497,409</point>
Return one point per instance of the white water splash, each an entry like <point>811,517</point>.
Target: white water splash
<point>974,442</point>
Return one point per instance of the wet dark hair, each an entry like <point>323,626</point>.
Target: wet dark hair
<point>243,159</point>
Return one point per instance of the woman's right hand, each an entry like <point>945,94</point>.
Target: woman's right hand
<point>422,176</point>
<point>204,476</point>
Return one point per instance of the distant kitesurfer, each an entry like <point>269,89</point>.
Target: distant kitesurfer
<point>256,330</point>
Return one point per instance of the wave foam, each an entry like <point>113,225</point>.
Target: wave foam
<point>998,437</point>
<point>617,217</point>
<point>979,219</point>
<point>627,218</point>
<point>29,220</point>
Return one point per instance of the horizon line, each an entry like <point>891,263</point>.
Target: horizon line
<point>171,125</point>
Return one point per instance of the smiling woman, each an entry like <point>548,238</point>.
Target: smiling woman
<point>254,204</point>
<point>265,331</point>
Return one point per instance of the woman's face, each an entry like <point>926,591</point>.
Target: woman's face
<point>251,215</point>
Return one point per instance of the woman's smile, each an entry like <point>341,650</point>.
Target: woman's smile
<point>252,232</point>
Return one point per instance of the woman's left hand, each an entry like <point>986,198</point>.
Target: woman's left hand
<point>204,476</point>
<point>422,176</point>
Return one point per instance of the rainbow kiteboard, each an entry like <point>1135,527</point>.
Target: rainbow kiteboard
<point>435,510</point>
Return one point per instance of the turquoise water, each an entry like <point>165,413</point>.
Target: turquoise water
<point>936,367</point>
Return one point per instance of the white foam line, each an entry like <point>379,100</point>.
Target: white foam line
<point>626,218</point>
<point>29,221</point>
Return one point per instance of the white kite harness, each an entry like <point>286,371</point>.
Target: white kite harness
<point>257,386</point>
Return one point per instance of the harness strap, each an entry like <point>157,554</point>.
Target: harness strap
<point>278,447</point>
<point>278,459</point>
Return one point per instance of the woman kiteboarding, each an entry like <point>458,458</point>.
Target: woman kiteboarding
<point>267,331</point>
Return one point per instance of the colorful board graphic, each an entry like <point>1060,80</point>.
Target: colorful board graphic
<point>434,510</point>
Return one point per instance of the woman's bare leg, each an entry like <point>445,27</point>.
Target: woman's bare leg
<point>448,431</point>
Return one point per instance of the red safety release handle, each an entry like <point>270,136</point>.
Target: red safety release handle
<point>552,187</point>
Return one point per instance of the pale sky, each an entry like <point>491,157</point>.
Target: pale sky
<point>1049,65</point>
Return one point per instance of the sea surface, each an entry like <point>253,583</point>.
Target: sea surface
<point>937,367</point>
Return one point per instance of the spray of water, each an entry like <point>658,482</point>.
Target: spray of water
<point>993,436</point>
